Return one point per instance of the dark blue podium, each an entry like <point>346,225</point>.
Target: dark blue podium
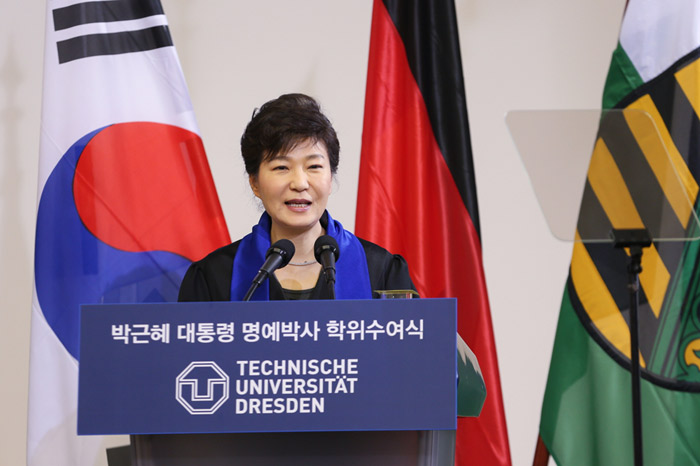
<point>262,383</point>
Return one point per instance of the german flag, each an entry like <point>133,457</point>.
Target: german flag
<point>417,194</point>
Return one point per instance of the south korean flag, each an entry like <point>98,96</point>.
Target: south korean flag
<point>126,198</point>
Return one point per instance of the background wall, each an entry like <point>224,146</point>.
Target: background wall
<point>534,54</point>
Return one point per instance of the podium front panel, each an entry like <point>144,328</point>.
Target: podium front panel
<point>282,366</point>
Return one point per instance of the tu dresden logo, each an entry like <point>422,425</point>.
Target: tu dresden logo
<point>202,387</point>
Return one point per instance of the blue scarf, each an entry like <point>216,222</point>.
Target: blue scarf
<point>352,274</point>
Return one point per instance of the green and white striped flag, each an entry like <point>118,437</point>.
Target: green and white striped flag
<point>587,409</point>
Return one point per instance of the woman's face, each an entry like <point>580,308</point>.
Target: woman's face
<point>294,187</point>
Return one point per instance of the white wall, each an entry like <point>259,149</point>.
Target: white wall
<point>236,55</point>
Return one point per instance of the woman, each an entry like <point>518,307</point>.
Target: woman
<point>291,154</point>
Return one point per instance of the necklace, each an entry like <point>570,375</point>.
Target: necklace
<point>302,264</point>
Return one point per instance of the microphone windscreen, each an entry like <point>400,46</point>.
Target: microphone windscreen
<point>284,248</point>
<point>326,243</point>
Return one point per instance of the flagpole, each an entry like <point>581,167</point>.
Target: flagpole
<point>636,240</point>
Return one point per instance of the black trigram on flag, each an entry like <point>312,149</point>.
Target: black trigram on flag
<point>110,43</point>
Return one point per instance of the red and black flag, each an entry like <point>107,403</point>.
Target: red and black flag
<point>417,195</point>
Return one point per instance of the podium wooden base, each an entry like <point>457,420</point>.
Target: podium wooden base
<point>395,448</point>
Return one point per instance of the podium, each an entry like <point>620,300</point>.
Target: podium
<point>282,382</point>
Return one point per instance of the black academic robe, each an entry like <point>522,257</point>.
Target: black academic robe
<point>210,278</point>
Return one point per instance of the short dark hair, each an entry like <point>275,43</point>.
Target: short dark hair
<point>280,124</point>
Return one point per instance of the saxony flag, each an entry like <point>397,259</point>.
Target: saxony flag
<point>587,413</point>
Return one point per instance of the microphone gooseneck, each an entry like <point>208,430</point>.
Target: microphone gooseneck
<point>276,257</point>
<point>326,252</point>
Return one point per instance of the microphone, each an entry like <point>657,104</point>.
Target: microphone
<point>326,252</point>
<point>276,257</point>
